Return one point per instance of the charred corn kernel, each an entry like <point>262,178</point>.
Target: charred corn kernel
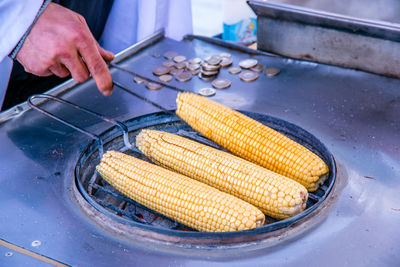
<point>225,172</point>
<point>252,140</point>
<point>168,193</point>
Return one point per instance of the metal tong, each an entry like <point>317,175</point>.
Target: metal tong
<point>121,125</point>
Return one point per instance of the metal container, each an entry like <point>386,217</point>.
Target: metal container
<point>345,38</point>
<point>46,217</point>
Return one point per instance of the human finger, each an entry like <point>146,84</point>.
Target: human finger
<point>92,54</point>
<point>60,70</point>
<point>97,67</point>
<point>76,67</point>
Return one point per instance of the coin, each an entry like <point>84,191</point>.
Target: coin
<point>165,78</point>
<point>195,72</point>
<point>184,76</point>
<point>225,55</point>
<point>234,70</point>
<point>160,70</point>
<point>258,68</point>
<point>270,72</point>
<point>179,59</point>
<point>153,86</point>
<point>221,83</point>
<point>193,67</point>
<point>209,73</point>
<point>226,61</point>
<point>214,60</point>
<point>248,75</point>
<point>138,80</point>
<point>205,77</point>
<point>168,63</point>
<point>195,60</point>
<point>207,91</point>
<point>209,67</point>
<point>170,54</point>
<point>175,71</point>
<point>181,65</point>
<point>248,63</point>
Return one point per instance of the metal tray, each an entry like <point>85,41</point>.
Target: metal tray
<point>332,38</point>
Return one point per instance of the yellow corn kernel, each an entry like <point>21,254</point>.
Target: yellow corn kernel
<point>252,140</point>
<point>225,172</point>
<point>148,184</point>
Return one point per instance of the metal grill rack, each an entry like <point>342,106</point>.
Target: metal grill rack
<point>101,195</point>
<point>110,199</point>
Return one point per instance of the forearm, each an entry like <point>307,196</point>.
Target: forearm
<point>16,17</point>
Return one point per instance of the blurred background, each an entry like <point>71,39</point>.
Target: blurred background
<point>230,17</point>
<point>231,20</point>
<point>207,17</point>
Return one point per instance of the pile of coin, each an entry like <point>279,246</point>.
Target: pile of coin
<point>182,69</point>
<point>210,68</point>
<point>177,66</point>
<point>194,65</point>
<point>212,65</point>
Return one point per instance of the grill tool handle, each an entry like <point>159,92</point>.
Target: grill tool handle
<point>126,89</point>
<point>135,74</point>
<point>121,125</point>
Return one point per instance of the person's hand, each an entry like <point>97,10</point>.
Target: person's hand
<point>61,43</point>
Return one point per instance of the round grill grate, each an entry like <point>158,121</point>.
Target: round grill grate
<point>123,210</point>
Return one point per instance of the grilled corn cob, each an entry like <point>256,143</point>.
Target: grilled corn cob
<point>185,200</point>
<point>274,194</point>
<point>252,140</point>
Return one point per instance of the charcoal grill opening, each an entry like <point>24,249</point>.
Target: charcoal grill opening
<point>134,220</point>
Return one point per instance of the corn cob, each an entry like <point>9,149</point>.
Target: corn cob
<point>252,140</point>
<point>274,194</point>
<point>185,200</point>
